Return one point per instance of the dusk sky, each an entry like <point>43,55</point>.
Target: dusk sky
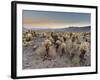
<point>48,19</point>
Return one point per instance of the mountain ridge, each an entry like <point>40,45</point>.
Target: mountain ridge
<point>69,29</point>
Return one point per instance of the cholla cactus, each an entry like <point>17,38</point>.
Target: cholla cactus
<point>28,37</point>
<point>54,36</point>
<point>50,38</point>
<point>60,47</point>
<point>83,46</point>
<point>44,35</point>
<point>34,34</point>
<point>83,50</point>
<point>67,36</point>
<point>52,52</point>
<point>63,48</point>
<point>61,39</point>
<point>41,50</point>
<point>26,44</point>
<point>47,43</point>
<point>74,37</point>
<point>58,43</point>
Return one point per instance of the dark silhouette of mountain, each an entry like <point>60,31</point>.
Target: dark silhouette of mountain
<point>78,29</point>
<point>69,29</point>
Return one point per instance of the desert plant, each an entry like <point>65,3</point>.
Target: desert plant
<point>83,50</point>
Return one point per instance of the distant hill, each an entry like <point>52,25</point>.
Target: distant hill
<point>69,29</point>
<point>78,29</point>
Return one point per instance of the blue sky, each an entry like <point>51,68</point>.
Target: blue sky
<point>55,19</point>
